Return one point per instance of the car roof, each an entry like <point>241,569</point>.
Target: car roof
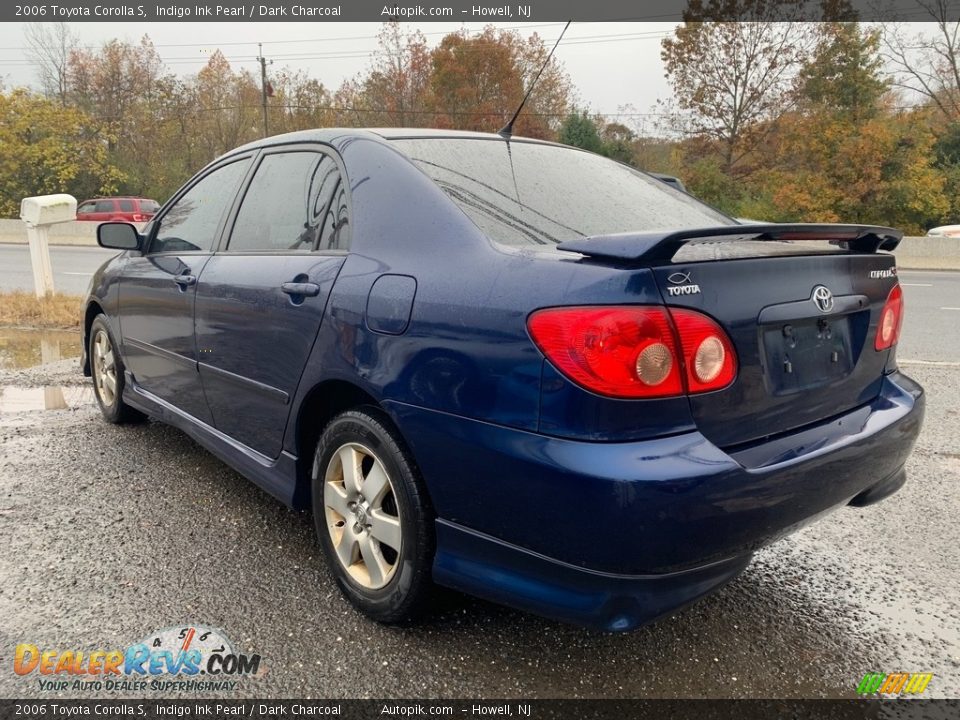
<point>329,135</point>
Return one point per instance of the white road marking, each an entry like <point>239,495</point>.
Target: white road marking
<point>931,363</point>
<point>75,273</point>
<point>917,284</point>
<point>949,308</point>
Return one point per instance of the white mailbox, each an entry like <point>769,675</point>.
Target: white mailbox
<point>48,209</point>
<point>38,214</point>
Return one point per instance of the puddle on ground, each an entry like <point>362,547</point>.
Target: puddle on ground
<point>26,348</point>
<point>52,397</point>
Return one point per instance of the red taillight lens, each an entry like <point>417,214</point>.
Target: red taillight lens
<point>138,218</point>
<point>891,318</point>
<point>708,355</point>
<point>631,352</point>
<point>617,351</point>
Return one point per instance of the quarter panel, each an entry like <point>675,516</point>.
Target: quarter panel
<point>466,350</point>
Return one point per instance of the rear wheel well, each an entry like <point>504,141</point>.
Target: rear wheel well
<point>93,309</point>
<point>322,404</point>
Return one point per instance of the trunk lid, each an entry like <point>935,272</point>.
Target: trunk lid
<point>798,363</point>
<point>802,318</point>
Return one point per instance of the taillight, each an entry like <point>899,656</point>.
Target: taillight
<point>632,352</point>
<point>891,318</point>
<point>709,358</point>
<point>138,218</point>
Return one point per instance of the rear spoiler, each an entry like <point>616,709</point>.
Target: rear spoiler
<point>662,245</point>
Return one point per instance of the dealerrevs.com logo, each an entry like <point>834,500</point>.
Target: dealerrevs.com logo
<point>188,658</point>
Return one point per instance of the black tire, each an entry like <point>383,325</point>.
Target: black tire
<point>405,593</point>
<point>114,409</point>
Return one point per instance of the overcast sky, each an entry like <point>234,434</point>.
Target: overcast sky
<point>611,64</point>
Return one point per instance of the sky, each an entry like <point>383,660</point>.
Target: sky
<point>612,65</point>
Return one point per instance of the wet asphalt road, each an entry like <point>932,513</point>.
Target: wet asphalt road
<point>931,330</point>
<point>113,532</point>
<point>72,267</point>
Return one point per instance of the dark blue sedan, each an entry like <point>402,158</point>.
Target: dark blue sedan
<point>508,367</point>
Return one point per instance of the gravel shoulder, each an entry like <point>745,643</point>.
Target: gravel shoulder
<point>113,532</point>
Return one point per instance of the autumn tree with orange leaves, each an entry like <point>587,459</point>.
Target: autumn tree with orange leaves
<point>478,81</point>
<point>826,142</point>
<point>467,82</point>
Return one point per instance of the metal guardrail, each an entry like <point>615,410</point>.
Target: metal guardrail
<point>914,253</point>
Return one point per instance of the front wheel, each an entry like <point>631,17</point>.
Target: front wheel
<point>372,516</point>
<point>106,370</point>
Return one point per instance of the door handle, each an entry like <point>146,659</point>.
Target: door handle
<point>185,280</point>
<point>306,289</point>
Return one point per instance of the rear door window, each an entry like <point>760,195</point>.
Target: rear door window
<point>294,202</point>
<point>126,205</point>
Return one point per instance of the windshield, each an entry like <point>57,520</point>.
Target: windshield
<point>523,193</point>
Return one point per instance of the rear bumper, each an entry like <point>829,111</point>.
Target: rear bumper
<point>489,568</point>
<point>617,534</point>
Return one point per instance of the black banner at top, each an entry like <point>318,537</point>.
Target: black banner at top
<point>475,10</point>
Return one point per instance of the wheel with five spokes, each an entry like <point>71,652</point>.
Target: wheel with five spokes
<point>106,369</point>
<point>372,515</point>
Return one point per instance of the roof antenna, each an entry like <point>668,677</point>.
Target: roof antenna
<point>506,132</point>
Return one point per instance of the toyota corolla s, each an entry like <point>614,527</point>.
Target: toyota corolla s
<point>508,367</point>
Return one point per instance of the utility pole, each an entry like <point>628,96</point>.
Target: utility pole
<point>263,87</point>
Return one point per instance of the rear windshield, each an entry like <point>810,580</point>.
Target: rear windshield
<point>149,206</point>
<point>525,193</point>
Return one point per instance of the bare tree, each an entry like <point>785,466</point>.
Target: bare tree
<point>928,64</point>
<point>732,79</point>
<point>49,47</point>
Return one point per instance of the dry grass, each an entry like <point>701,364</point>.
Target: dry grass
<point>23,309</point>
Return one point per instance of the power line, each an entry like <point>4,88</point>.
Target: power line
<point>355,54</point>
<point>381,111</point>
<point>303,40</point>
<point>450,113</point>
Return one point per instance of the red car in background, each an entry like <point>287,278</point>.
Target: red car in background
<point>127,209</point>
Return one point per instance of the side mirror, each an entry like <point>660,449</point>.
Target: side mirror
<point>118,236</point>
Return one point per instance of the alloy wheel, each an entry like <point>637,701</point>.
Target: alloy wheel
<point>362,515</point>
<point>104,368</point>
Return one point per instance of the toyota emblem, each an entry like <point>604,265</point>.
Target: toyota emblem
<point>822,298</point>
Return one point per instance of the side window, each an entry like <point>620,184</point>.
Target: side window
<point>126,205</point>
<point>87,207</point>
<point>191,223</point>
<point>288,204</point>
<point>105,206</point>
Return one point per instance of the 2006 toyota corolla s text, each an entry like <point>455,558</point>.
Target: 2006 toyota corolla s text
<point>508,367</point>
